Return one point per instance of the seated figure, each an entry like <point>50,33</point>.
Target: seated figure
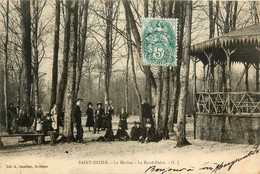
<point>150,133</point>
<point>135,132</point>
<point>48,130</point>
<point>121,134</point>
<point>109,136</point>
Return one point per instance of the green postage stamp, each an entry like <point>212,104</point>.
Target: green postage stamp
<point>159,43</point>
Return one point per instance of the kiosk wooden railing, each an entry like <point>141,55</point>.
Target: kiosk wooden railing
<point>239,104</point>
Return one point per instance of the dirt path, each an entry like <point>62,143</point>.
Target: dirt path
<point>127,157</point>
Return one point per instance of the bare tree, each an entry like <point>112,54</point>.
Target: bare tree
<point>132,25</point>
<point>71,86</point>
<point>38,51</point>
<point>130,52</point>
<point>175,71</point>
<point>64,74</point>
<point>55,54</point>
<point>5,15</point>
<point>181,124</point>
<point>26,51</point>
<point>82,44</point>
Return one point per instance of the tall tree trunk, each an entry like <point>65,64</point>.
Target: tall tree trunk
<point>35,54</point>
<point>211,20</point>
<point>130,52</point>
<point>100,77</point>
<point>55,55</point>
<point>148,89</point>
<point>194,91</point>
<point>158,102</point>
<point>108,54</point>
<point>82,46</point>
<point>126,73</point>
<point>70,96</point>
<point>146,13</point>
<point>64,74</point>
<point>257,77</point>
<point>6,66</point>
<point>173,99</point>
<point>165,101</point>
<point>154,9</point>
<point>166,83</point>
<point>175,73</point>
<point>18,99</point>
<point>234,21</point>
<point>246,76</point>
<point>27,49</point>
<point>227,21</point>
<point>181,124</point>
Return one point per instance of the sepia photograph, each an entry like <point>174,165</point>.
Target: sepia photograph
<point>129,86</point>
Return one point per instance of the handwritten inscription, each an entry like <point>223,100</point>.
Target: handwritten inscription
<point>214,169</point>
<point>230,164</point>
<point>163,170</point>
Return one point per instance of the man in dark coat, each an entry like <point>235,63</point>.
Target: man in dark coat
<point>90,116</point>
<point>146,111</point>
<point>135,132</point>
<point>77,121</point>
<point>99,114</point>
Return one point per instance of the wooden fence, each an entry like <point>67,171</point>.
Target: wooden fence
<point>237,104</point>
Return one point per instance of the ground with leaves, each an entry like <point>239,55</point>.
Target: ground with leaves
<point>126,157</point>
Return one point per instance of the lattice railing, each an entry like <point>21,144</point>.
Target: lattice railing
<point>245,103</point>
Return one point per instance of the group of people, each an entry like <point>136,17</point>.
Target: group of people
<point>101,119</point>
<point>146,134</point>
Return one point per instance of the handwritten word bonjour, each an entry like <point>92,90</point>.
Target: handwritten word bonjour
<point>219,166</point>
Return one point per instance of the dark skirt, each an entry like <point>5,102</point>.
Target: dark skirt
<point>90,121</point>
<point>107,123</point>
<point>98,123</point>
<point>123,124</point>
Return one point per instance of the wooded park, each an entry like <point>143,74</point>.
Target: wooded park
<point>54,52</point>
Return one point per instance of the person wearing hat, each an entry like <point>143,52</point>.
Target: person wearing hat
<point>90,116</point>
<point>135,132</point>
<point>77,121</point>
<point>99,114</point>
<point>107,119</point>
<point>123,119</point>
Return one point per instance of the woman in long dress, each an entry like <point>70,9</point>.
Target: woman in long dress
<point>90,116</point>
<point>123,119</point>
<point>99,114</point>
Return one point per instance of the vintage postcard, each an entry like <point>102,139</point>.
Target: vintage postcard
<point>129,87</point>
